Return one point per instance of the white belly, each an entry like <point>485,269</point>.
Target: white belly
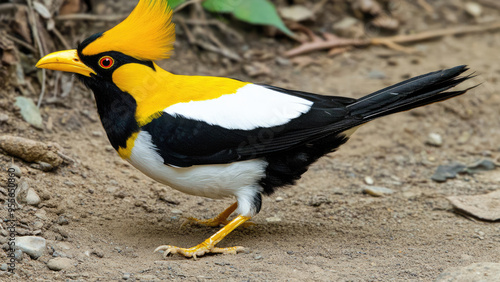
<point>212,181</point>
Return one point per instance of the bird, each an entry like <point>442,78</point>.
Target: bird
<point>219,137</point>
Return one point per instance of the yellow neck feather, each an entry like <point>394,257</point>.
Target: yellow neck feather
<point>154,91</point>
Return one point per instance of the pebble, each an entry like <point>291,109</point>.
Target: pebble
<point>4,118</point>
<point>126,276</point>
<point>69,183</point>
<point>445,172</point>
<point>30,112</point>
<point>377,74</point>
<point>32,245</point>
<point>16,170</point>
<point>18,255</point>
<point>279,199</point>
<point>37,225</point>
<point>4,267</point>
<point>369,180</point>
<point>377,191</point>
<point>258,257</point>
<point>41,214</point>
<point>483,271</point>
<point>32,197</point>
<point>176,211</point>
<point>58,264</point>
<point>473,9</point>
<point>97,134</point>
<point>273,219</point>
<point>61,220</point>
<point>434,139</point>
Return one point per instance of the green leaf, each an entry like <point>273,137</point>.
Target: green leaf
<point>260,12</point>
<point>175,3</point>
<point>222,6</point>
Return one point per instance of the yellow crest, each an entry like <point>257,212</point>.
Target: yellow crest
<point>146,34</point>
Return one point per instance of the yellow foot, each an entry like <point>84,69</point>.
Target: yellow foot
<point>208,246</point>
<point>197,251</point>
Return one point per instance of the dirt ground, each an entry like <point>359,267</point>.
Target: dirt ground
<point>108,217</point>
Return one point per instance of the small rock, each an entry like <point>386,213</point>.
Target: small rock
<point>369,180</point>
<point>4,118</point>
<point>126,276</point>
<point>345,23</point>
<point>97,134</point>
<point>279,199</point>
<point>483,271</point>
<point>176,211</point>
<point>377,74</point>
<point>445,172</point>
<point>32,198</point>
<point>4,267</point>
<point>273,219</point>
<point>61,220</point>
<point>258,257</point>
<point>37,225</point>
<point>69,183</point>
<point>15,170</point>
<point>377,191</point>
<point>58,264</point>
<point>485,207</point>
<point>32,245</point>
<point>283,61</point>
<point>18,255</point>
<point>464,137</point>
<point>41,214</point>
<point>434,139</point>
<point>296,13</point>
<point>29,112</point>
<point>473,9</point>
<point>481,165</point>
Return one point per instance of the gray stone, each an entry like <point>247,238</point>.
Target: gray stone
<point>479,272</point>
<point>473,9</point>
<point>377,191</point>
<point>445,172</point>
<point>4,118</point>
<point>32,245</point>
<point>369,180</point>
<point>273,219</point>
<point>434,139</point>
<point>32,197</point>
<point>15,170</point>
<point>58,264</point>
<point>4,267</point>
<point>485,207</point>
<point>29,112</point>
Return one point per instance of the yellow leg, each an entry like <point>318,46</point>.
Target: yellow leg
<point>208,246</point>
<point>216,221</point>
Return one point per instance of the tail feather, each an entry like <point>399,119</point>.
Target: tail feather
<point>412,93</point>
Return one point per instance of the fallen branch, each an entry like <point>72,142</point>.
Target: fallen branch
<point>392,42</point>
<point>87,17</point>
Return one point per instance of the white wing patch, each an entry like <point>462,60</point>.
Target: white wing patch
<point>252,106</point>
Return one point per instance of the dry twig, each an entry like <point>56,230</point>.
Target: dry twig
<point>392,42</point>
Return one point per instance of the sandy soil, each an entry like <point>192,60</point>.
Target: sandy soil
<point>322,229</point>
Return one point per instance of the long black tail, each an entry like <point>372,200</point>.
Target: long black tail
<point>412,93</point>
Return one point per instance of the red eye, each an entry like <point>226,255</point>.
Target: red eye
<point>106,62</point>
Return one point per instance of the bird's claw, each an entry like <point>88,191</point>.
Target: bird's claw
<point>197,251</point>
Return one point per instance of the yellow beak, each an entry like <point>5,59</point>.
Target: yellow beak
<point>67,61</point>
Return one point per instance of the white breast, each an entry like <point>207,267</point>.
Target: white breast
<point>238,179</point>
